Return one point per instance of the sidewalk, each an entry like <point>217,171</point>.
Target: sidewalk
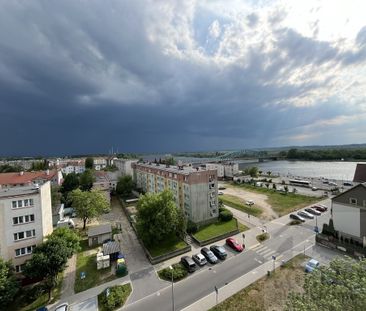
<point>69,278</point>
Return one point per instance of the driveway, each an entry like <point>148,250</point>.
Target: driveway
<point>90,304</point>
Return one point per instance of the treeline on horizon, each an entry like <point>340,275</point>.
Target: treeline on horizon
<point>324,154</point>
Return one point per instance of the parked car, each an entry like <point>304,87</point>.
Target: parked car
<point>346,183</point>
<point>220,193</point>
<point>249,202</point>
<point>325,181</point>
<point>313,211</point>
<point>209,255</point>
<point>297,217</point>
<point>235,245</point>
<point>314,188</point>
<point>305,214</point>
<point>62,307</point>
<point>311,265</point>
<point>199,259</point>
<point>219,251</point>
<point>320,208</point>
<point>331,183</point>
<point>188,263</point>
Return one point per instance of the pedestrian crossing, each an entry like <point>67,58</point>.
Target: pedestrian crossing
<point>265,252</point>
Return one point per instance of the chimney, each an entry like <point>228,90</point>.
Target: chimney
<point>21,173</point>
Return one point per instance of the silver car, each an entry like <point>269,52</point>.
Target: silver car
<point>305,214</point>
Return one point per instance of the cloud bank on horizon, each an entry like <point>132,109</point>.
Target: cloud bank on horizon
<point>156,75</point>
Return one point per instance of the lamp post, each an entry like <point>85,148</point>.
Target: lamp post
<point>173,307</point>
<point>243,239</point>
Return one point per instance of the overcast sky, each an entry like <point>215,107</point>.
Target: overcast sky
<point>162,75</point>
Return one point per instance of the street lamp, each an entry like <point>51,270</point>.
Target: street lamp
<point>243,239</point>
<point>172,270</point>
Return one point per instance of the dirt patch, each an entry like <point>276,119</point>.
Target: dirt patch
<point>259,199</point>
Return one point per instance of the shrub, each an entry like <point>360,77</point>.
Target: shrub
<point>226,215</point>
<point>294,222</point>
<point>262,237</point>
<point>191,227</point>
<point>179,272</point>
<point>116,298</point>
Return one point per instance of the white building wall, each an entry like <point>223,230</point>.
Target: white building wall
<point>346,218</point>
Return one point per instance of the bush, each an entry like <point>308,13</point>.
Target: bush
<point>116,298</point>
<point>179,272</point>
<point>226,215</point>
<point>294,222</point>
<point>262,237</point>
<point>191,227</point>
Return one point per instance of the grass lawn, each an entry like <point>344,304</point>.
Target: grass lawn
<point>87,263</point>
<point>237,203</point>
<point>215,229</point>
<point>24,301</point>
<point>268,293</point>
<point>282,203</point>
<point>242,227</point>
<point>117,297</point>
<point>167,246</point>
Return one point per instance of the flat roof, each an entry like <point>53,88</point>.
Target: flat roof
<point>15,191</point>
<point>186,170</point>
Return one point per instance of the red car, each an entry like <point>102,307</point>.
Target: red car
<point>320,208</point>
<point>234,244</point>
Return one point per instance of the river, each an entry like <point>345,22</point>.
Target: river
<point>339,170</point>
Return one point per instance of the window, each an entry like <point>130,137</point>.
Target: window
<point>19,268</point>
<point>31,217</point>
<point>15,220</point>
<point>24,251</point>
<point>31,202</point>
<point>20,203</point>
<point>26,202</point>
<point>353,201</point>
<point>23,219</point>
<point>14,204</point>
<point>22,235</point>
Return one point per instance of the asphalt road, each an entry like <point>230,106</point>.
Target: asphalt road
<point>202,282</point>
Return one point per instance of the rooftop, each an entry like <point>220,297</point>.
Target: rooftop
<point>25,177</point>
<point>101,229</point>
<point>360,173</point>
<point>185,170</point>
<point>9,192</point>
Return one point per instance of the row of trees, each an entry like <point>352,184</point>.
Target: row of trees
<point>48,260</point>
<point>324,154</point>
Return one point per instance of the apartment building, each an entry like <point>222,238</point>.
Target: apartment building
<point>77,167</point>
<point>25,220</point>
<point>100,163</point>
<point>124,166</point>
<point>224,170</point>
<point>349,213</point>
<point>102,184</point>
<point>20,179</point>
<point>194,189</point>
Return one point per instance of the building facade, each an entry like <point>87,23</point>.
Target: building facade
<point>194,189</point>
<point>124,166</point>
<point>224,170</point>
<point>25,220</point>
<point>20,179</point>
<point>349,213</point>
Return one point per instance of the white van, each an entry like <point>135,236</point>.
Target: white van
<point>66,223</point>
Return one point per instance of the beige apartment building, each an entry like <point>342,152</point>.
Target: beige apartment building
<point>25,220</point>
<point>194,189</point>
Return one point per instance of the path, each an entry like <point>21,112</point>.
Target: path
<point>69,278</point>
<point>259,199</point>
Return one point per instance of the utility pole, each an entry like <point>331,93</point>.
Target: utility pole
<point>173,306</point>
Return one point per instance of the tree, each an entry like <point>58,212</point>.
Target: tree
<point>70,183</point>
<point>9,285</point>
<point>125,186</point>
<point>6,168</point>
<point>158,217</point>
<point>269,173</point>
<point>170,161</point>
<point>89,163</point>
<point>48,260</point>
<point>86,180</point>
<point>70,237</point>
<point>88,204</point>
<point>55,195</point>
<point>339,287</point>
<point>253,171</point>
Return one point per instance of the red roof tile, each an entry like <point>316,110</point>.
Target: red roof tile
<point>26,177</point>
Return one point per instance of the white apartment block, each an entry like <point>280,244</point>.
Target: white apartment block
<point>25,220</point>
<point>100,163</point>
<point>194,189</point>
<point>224,170</point>
<point>124,166</point>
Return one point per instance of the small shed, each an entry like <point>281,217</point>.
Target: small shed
<point>112,249</point>
<point>98,234</point>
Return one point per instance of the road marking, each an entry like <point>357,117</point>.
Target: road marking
<point>269,254</point>
<point>264,250</point>
<point>260,248</point>
<point>257,260</point>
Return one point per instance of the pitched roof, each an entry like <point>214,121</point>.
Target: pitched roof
<point>25,177</point>
<point>349,190</point>
<point>101,229</point>
<point>360,173</point>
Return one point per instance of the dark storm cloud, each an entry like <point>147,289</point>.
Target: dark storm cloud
<point>81,77</point>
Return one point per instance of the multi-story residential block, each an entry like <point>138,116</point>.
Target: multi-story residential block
<point>349,213</point>
<point>194,189</point>
<point>100,163</point>
<point>25,220</point>
<point>224,170</point>
<point>102,184</point>
<point>19,179</point>
<point>124,166</point>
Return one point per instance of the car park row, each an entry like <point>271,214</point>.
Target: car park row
<point>211,255</point>
<point>309,213</point>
